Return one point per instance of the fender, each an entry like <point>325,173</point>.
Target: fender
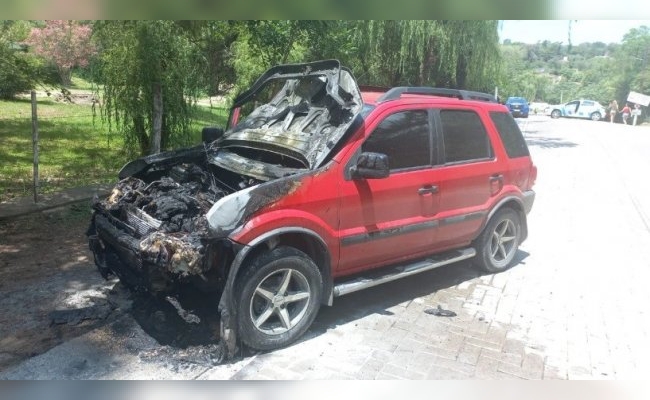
<point>506,197</point>
<point>228,327</point>
<point>258,226</point>
<point>510,196</point>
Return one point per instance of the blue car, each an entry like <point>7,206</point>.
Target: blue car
<point>518,106</point>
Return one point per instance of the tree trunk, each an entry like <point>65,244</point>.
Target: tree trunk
<point>141,133</point>
<point>157,118</point>
<point>65,74</point>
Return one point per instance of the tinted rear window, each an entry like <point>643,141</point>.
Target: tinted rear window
<point>464,136</point>
<point>510,134</point>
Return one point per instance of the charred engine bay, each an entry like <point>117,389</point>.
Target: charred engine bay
<point>165,210</point>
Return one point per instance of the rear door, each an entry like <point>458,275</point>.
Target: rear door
<point>469,178</point>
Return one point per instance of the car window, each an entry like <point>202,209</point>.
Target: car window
<point>510,134</point>
<point>587,103</point>
<point>404,137</point>
<point>464,136</point>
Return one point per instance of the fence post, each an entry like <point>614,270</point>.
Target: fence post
<point>35,145</point>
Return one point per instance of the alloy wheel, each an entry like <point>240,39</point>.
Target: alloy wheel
<point>503,242</point>
<point>280,301</point>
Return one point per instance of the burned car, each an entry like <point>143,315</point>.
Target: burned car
<point>312,193</point>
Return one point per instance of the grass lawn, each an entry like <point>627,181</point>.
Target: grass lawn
<point>73,150</point>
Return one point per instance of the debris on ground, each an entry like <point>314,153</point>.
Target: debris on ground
<point>203,355</point>
<point>440,312</point>
<point>183,313</point>
<point>76,316</point>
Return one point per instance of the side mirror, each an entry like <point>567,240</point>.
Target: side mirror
<point>371,166</point>
<point>210,134</point>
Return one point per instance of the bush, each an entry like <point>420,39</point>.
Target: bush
<point>21,72</point>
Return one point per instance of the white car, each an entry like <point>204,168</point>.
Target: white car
<point>587,109</point>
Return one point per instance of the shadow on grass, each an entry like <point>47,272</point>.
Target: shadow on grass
<point>72,152</point>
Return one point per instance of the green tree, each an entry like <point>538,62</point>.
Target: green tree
<point>633,63</point>
<point>20,71</point>
<point>460,54</point>
<point>262,44</point>
<point>150,78</point>
<point>214,41</point>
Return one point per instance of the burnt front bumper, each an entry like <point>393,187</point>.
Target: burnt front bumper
<point>156,262</point>
<point>118,253</point>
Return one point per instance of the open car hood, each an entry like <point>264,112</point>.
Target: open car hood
<point>299,110</point>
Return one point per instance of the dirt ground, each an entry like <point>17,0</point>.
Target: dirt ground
<point>49,288</point>
<point>51,291</point>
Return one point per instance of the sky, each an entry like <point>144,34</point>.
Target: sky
<point>533,31</point>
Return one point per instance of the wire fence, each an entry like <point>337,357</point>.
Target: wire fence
<point>215,112</point>
<point>70,149</point>
<point>44,117</point>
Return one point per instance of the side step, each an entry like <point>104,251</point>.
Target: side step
<point>402,271</point>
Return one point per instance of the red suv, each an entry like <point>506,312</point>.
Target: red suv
<point>316,190</point>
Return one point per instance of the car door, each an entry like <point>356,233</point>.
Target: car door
<point>469,178</point>
<point>392,219</point>
<point>571,108</point>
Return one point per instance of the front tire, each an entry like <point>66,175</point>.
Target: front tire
<point>499,241</point>
<point>279,297</point>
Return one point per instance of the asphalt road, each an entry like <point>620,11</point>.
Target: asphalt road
<point>574,307</point>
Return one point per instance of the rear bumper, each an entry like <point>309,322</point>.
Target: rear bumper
<point>528,200</point>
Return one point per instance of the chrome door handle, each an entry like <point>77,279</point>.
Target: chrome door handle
<point>428,190</point>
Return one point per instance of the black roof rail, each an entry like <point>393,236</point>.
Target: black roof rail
<point>396,92</point>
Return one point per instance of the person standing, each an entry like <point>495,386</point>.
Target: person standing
<point>625,113</point>
<point>613,110</point>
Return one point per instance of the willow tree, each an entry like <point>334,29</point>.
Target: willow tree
<point>150,75</point>
<point>633,57</point>
<point>459,54</point>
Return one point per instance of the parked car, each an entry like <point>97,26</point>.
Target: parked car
<point>312,193</point>
<point>587,109</point>
<point>518,106</point>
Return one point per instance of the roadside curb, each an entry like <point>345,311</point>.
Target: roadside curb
<point>25,205</point>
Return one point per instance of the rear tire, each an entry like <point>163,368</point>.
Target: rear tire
<point>555,114</point>
<point>279,297</point>
<point>499,241</point>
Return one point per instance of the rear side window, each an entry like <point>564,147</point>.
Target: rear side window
<point>404,138</point>
<point>464,136</point>
<point>510,134</point>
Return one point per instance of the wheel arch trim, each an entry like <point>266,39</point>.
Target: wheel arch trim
<point>503,203</point>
